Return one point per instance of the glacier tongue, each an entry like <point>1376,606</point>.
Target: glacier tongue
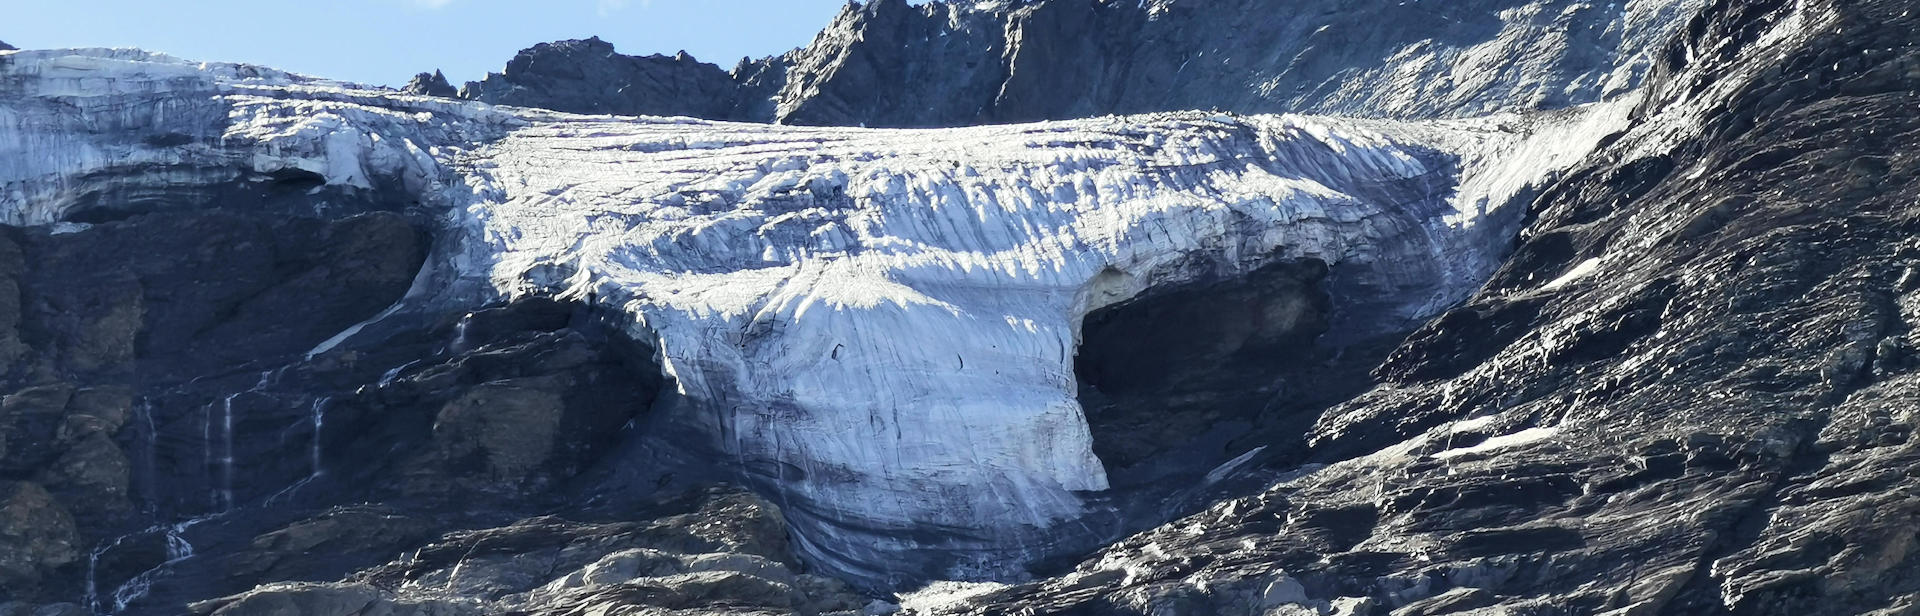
<point>877,326</point>
<point>881,324</point>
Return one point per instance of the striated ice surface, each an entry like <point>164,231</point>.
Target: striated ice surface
<point>878,326</point>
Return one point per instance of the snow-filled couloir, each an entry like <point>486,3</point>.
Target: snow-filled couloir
<point>876,326</point>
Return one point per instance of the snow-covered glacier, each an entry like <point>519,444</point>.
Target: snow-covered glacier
<point>878,327</point>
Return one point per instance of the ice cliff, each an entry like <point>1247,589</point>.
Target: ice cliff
<point>877,327</point>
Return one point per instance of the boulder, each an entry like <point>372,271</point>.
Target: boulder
<point>37,538</point>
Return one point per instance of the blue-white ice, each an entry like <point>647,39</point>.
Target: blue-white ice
<point>886,317</point>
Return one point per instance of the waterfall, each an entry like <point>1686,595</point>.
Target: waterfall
<point>149,440</point>
<point>319,421</point>
<point>388,378</point>
<point>206,451</point>
<point>460,334</point>
<point>178,549</point>
<point>225,498</point>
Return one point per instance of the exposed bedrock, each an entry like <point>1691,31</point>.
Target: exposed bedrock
<point>586,76</point>
<point>718,551</point>
<point>430,84</point>
<point>165,410</point>
<point>895,63</point>
<point>190,295</point>
<point>453,421</point>
<point>1687,393</point>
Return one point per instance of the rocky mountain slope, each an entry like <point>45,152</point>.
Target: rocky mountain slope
<point>1681,395</point>
<point>280,345</point>
<point>890,63</point>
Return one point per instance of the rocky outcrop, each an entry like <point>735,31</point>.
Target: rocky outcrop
<point>430,84</point>
<point>586,76</point>
<point>37,535</point>
<point>892,63</point>
<point>719,551</point>
<point>199,294</point>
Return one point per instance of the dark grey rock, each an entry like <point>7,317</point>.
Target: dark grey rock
<point>430,84</point>
<point>891,63</point>
<point>37,539</point>
<point>724,552</point>
<point>1716,433</point>
<point>587,76</point>
<point>1451,602</point>
<point>343,599</point>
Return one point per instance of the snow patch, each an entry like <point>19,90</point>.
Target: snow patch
<point>1469,425</point>
<point>945,596</point>
<point>1523,437</point>
<point>1575,273</point>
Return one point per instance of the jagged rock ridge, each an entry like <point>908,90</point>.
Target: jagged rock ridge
<point>889,63</point>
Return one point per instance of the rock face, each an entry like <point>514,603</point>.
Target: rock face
<point>430,84</point>
<point>1686,392</point>
<point>586,76</point>
<point>720,552</point>
<point>890,63</point>
<point>38,535</point>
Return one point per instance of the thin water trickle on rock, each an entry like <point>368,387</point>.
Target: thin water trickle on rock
<point>319,422</point>
<point>178,549</point>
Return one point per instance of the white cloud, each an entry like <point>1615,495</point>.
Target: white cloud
<point>431,4</point>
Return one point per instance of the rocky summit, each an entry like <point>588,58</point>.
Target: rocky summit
<point>891,63</point>
<point>1170,308</point>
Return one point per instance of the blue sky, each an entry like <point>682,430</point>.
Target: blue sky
<point>387,41</point>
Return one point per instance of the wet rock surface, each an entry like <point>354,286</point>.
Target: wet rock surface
<point>182,426</point>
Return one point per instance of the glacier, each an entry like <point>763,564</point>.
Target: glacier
<point>877,327</point>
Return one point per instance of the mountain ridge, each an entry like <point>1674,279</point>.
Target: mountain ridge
<point>894,64</point>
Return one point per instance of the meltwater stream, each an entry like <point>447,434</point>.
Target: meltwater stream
<point>219,454</point>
